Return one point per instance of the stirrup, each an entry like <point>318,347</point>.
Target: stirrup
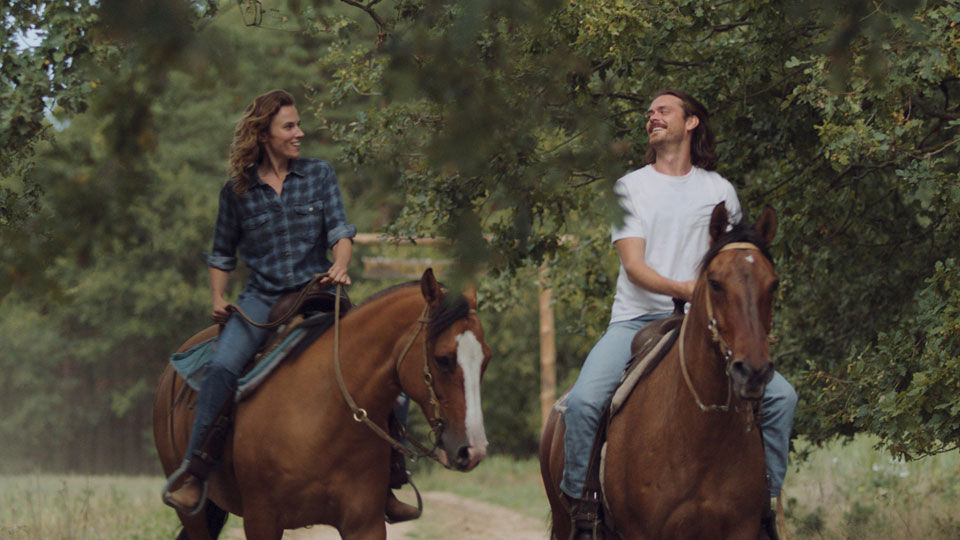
<point>594,532</point>
<point>419,499</point>
<point>189,512</point>
<point>585,516</point>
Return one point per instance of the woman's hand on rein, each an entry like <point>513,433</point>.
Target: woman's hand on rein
<point>220,312</point>
<point>336,275</point>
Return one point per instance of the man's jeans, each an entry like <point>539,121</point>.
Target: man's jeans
<point>237,344</point>
<point>599,378</point>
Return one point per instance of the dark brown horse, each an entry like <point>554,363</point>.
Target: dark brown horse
<point>298,456</point>
<point>684,458</point>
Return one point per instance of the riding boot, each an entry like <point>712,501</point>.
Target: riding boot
<point>398,470</point>
<point>212,422</point>
<point>585,517</point>
<point>768,525</point>
<point>187,496</point>
<point>397,510</point>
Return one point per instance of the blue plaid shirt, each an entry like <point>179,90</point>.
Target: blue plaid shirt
<point>282,239</point>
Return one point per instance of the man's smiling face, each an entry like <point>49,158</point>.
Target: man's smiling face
<point>666,122</point>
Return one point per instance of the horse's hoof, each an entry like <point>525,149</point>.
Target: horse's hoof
<point>188,499</point>
<point>398,511</point>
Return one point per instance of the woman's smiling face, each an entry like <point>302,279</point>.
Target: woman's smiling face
<point>282,140</point>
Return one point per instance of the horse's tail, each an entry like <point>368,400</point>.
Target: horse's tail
<point>552,535</point>
<point>216,519</point>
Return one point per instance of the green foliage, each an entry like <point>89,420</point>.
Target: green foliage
<point>903,387</point>
<point>518,118</point>
<point>42,46</point>
<point>108,277</point>
<point>852,489</point>
<point>500,125</point>
<point>875,226</point>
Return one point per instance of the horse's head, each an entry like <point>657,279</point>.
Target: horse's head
<point>738,281</point>
<point>456,357</point>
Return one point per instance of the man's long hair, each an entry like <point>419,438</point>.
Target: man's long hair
<point>247,150</point>
<point>703,146</point>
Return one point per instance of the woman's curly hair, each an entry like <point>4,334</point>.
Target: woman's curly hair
<point>246,151</point>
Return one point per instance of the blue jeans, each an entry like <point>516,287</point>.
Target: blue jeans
<point>237,344</point>
<point>598,379</point>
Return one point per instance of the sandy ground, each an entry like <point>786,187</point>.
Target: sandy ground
<point>445,517</point>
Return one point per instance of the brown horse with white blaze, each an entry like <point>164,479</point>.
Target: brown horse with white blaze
<point>298,456</point>
<point>684,456</point>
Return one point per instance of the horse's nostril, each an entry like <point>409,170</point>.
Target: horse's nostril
<point>463,455</point>
<point>740,368</point>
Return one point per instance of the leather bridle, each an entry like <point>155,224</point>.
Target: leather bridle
<point>360,415</point>
<point>726,353</point>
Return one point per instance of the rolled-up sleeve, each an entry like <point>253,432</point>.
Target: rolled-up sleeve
<point>334,214</point>
<point>226,235</point>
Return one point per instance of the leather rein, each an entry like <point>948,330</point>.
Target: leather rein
<point>725,350</point>
<point>360,414</point>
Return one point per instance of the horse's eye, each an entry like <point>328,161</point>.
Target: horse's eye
<point>445,363</point>
<point>715,285</point>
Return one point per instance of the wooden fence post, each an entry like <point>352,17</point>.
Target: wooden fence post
<point>548,348</point>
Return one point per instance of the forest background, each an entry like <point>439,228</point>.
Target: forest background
<point>502,126</point>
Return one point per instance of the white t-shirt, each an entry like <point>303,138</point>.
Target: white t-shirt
<point>672,213</point>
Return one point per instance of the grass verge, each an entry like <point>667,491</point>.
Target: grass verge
<point>843,491</point>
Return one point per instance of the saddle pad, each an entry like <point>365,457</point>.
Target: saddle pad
<point>638,370</point>
<point>190,364</point>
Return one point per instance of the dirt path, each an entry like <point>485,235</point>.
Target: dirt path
<point>445,517</point>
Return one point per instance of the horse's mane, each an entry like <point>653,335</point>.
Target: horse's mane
<point>741,232</point>
<point>451,309</point>
<point>388,291</point>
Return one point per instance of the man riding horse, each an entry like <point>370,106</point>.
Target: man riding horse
<point>664,234</point>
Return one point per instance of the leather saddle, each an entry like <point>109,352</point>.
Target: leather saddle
<point>315,301</point>
<point>648,347</point>
<point>294,308</point>
<point>650,335</point>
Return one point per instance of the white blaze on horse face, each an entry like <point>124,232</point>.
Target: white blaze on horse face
<point>470,358</point>
<point>749,259</point>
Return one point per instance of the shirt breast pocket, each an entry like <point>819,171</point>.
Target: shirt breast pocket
<point>308,224</point>
<point>256,235</point>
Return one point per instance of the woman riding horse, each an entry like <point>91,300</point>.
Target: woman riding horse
<point>309,445</point>
<point>282,213</point>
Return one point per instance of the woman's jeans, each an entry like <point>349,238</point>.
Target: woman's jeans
<point>237,344</point>
<point>600,376</point>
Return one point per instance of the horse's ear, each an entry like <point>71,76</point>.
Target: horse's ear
<point>718,222</point>
<point>430,288</point>
<point>767,226</point>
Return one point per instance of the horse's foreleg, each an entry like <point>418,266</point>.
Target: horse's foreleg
<point>260,523</point>
<point>204,526</point>
<point>372,530</point>
<point>551,470</point>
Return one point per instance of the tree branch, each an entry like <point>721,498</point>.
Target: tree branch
<point>935,149</point>
<point>618,95</point>
<point>590,178</point>
<point>931,111</point>
<point>381,26</point>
